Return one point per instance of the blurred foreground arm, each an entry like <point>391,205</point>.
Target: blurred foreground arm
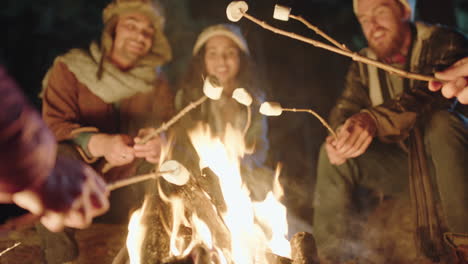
<point>63,192</point>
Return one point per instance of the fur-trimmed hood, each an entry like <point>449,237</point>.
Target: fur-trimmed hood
<point>160,52</point>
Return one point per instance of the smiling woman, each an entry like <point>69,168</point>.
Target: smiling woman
<point>221,51</point>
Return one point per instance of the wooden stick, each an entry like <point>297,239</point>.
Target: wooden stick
<point>249,121</point>
<point>319,32</point>
<point>28,220</point>
<point>10,248</point>
<point>176,118</point>
<point>135,179</point>
<point>324,123</point>
<point>352,55</point>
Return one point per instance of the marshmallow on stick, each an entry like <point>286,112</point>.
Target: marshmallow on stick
<point>275,109</point>
<point>281,12</point>
<point>211,88</point>
<point>171,170</point>
<point>236,9</point>
<point>271,109</point>
<point>242,96</point>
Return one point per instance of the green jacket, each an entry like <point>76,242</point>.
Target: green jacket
<point>433,48</point>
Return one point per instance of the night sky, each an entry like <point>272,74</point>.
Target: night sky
<point>295,74</point>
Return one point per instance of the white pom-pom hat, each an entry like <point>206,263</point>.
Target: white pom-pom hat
<point>231,31</point>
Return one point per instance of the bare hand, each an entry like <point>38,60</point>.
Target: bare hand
<point>457,81</point>
<point>116,149</point>
<point>71,196</point>
<point>333,155</point>
<point>355,136</point>
<point>151,150</point>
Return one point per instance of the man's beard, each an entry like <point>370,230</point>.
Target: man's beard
<point>389,48</point>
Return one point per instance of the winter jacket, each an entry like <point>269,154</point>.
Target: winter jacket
<point>71,108</point>
<point>433,48</point>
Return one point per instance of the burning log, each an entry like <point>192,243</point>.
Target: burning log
<point>157,245</point>
<point>304,249</point>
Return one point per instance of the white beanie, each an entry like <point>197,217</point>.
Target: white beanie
<point>407,4</point>
<point>228,30</point>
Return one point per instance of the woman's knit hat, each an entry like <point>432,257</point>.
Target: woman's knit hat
<point>160,52</point>
<point>228,30</point>
<point>407,4</point>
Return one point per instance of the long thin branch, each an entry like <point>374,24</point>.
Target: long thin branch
<point>176,118</point>
<point>319,32</point>
<point>135,179</point>
<point>352,55</point>
<point>10,248</point>
<point>324,123</point>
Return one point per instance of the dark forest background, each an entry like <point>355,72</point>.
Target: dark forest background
<point>295,74</point>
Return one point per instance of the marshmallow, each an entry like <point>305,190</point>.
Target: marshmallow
<point>281,12</point>
<point>235,10</point>
<point>211,88</point>
<point>174,172</point>
<point>242,96</point>
<point>271,109</point>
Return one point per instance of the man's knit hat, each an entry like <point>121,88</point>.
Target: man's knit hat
<point>160,52</point>
<point>407,4</point>
<point>231,31</point>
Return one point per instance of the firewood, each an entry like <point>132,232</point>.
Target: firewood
<point>304,249</point>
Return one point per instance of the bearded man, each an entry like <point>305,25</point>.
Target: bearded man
<point>382,121</point>
<point>100,102</point>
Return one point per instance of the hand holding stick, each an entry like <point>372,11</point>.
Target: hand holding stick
<point>171,170</point>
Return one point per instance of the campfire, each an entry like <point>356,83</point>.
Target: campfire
<point>193,224</point>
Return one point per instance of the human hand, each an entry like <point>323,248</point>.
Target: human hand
<point>355,136</point>
<point>116,149</point>
<point>457,81</point>
<point>71,196</point>
<point>151,150</point>
<point>333,155</point>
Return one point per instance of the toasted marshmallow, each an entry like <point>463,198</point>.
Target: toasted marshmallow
<point>174,172</point>
<point>211,88</point>
<point>242,96</point>
<point>281,12</point>
<point>235,10</point>
<point>271,109</point>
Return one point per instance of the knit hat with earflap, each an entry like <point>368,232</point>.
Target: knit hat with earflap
<point>228,30</point>
<point>160,52</point>
<point>407,4</point>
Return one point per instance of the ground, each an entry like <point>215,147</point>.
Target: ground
<point>388,239</point>
<point>98,244</point>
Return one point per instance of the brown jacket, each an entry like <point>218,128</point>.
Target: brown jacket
<point>70,108</point>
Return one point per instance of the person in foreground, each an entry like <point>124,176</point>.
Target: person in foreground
<point>382,121</point>
<point>100,102</point>
<point>62,192</point>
